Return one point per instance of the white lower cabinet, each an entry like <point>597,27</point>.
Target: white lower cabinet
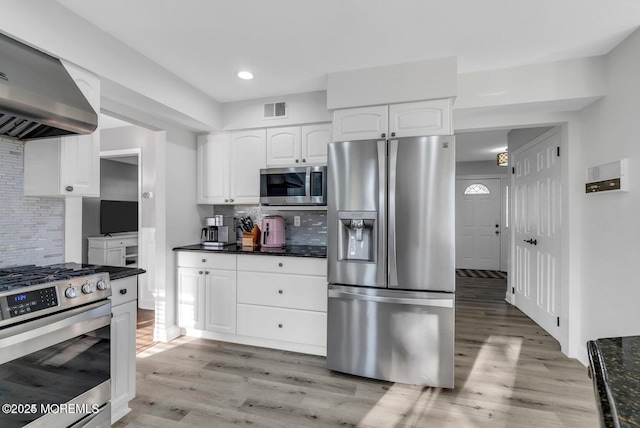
<point>123,345</point>
<point>289,325</point>
<point>274,301</point>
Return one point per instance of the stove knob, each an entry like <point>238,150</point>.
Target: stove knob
<point>70,292</point>
<point>102,285</point>
<point>87,288</point>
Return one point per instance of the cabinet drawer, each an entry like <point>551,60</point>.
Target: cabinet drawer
<point>125,242</point>
<point>283,264</point>
<point>288,325</point>
<point>207,260</point>
<point>285,291</point>
<point>124,290</point>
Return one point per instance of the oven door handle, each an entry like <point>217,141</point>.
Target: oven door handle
<point>32,336</point>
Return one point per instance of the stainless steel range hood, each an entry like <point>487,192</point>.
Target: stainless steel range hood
<point>38,97</point>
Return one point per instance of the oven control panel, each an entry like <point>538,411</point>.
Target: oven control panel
<point>29,301</point>
<point>23,303</point>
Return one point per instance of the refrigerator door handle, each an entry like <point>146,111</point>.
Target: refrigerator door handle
<point>393,265</point>
<point>382,213</point>
<point>442,303</point>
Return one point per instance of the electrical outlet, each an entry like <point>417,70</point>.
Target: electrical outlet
<point>296,220</point>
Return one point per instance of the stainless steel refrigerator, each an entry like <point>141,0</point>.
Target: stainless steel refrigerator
<point>391,259</point>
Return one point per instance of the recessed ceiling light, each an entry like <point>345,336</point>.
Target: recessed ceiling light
<point>245,75</point>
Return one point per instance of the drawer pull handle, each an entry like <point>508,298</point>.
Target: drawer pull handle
<point>279,325</point>
<point>200,272</point>
<point>280,264</point>
<point>204,260</point>
<point>279,291</point>
<point>206,272</point>
<point>123,291</point>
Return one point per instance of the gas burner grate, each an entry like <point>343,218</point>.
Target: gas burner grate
<point>21,276</point>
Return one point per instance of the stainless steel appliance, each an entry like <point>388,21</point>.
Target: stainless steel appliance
<point>391,271</point>
<point>217,234</point>
<point>54,347</point>
<point>305,185</point>
<point>38,97</point>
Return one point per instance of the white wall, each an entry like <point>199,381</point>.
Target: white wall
<point>310,107</point>
<point>480,168</point>
<point>396,83</point>
<point>610,252</point>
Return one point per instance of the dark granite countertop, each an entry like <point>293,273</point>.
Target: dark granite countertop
<point>318,251</point>
<point>615,368</point>
<point>115,272</point>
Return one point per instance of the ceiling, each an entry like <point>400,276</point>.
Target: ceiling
<point>291,45</point>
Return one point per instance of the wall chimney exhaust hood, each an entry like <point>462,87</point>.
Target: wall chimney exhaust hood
<point>38,97</point>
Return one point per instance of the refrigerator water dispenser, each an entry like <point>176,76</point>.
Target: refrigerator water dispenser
<point>356,236</point>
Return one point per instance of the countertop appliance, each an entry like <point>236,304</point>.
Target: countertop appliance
<point>391,266</point>
<point>305,185</point>
<point>38,97</point>
<point>217,234</point>
<point>56,322</point>
<point>273,235</point>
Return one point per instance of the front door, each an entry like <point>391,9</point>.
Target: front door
<point>478,224</point>
<point>537,225</point>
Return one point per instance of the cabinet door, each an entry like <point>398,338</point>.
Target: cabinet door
<point>247,157</point>
<point>80,156</point>
<point>114,256</point>
<point>421,118</point>
<point>221,301</point>
<point>315,139</point>
<point>123,358</point>
<point>365,123</point>
<point>283,146</point>
<point>213,168</point>
<point>191,298</point>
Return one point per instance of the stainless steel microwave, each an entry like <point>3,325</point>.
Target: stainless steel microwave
<point>303,185</point>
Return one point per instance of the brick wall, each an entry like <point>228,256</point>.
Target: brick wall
<point>31,229</point>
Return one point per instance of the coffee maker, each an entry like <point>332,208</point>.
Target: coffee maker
<point>217,234</point>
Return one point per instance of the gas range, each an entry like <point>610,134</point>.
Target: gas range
<point>31,291</point>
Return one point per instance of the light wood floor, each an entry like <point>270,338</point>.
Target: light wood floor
<point>144,330</point>
<point>509,373</point>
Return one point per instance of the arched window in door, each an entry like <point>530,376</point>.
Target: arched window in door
<point>477,189</point>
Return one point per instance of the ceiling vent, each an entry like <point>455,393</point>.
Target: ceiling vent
<point>275,110</point>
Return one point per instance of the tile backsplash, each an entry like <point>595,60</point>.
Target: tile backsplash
<point>31,229</point>
<point>312,229</point>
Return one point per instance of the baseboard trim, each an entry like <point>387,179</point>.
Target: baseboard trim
<point>166,335</point>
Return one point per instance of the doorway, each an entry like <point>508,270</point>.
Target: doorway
<point>478,203</point>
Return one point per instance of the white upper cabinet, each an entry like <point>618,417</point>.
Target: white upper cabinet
<point>283,146</point>
<point>247,157</point>
<point>421,118</point>
<point>213,168</point>
<point>396,120</point>
<point>66,166</point>
<point>364,123</point>
<point>315,139</point>
<point>228,167</point>
<point>298,145</point>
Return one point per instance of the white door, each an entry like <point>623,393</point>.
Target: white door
<point>247,157</point>
<point>362,123</point>
<point>478,224</point>
<point>191,295</point>
<point>315,139</point>
<point>221,301</point>
<point>422,118</point>
<point>537,222</point>
<point>213,168</point>
<point>283,146</point>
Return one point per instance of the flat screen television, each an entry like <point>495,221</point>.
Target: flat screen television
<point>118,216</point>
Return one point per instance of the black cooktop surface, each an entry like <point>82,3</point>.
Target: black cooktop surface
<point>23,276</point>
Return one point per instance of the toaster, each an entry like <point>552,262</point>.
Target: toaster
<point>273,232</point>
